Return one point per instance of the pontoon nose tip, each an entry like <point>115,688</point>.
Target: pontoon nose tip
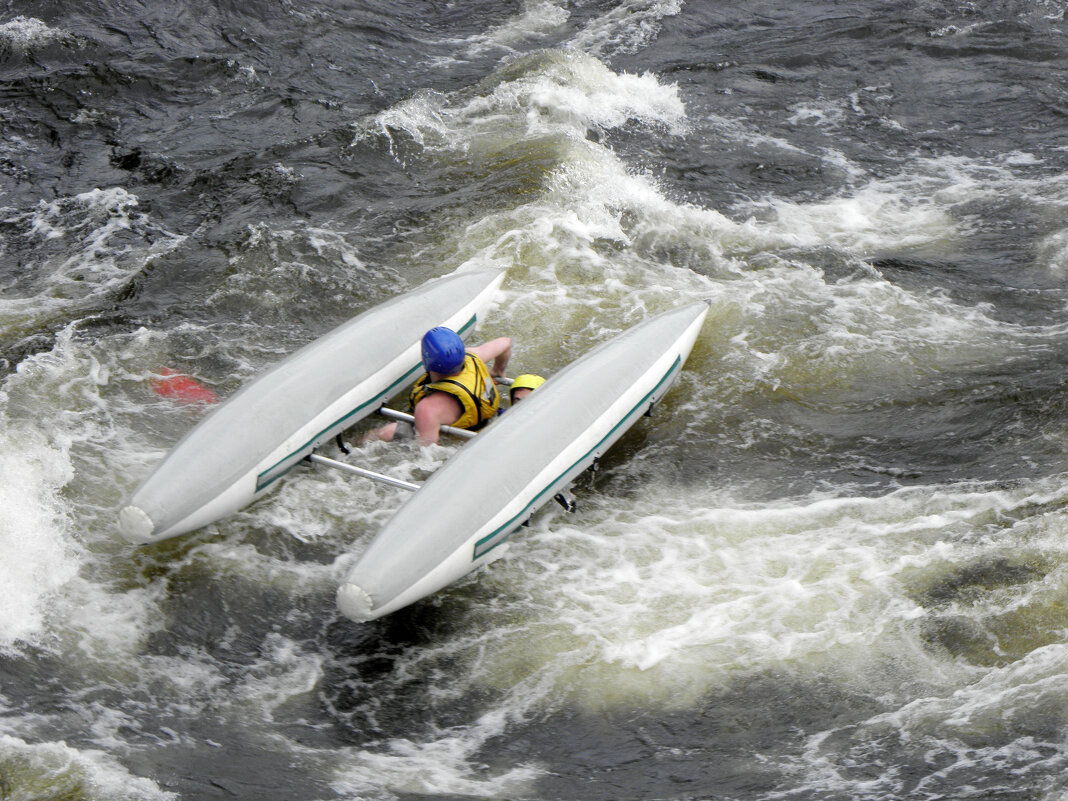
<point>135,525</point>
<point>354,603</point>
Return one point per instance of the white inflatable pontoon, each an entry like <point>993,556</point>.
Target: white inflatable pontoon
<point>250,441</point>
<point>460,518</point>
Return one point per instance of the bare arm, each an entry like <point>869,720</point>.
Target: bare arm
<point>498,350</point>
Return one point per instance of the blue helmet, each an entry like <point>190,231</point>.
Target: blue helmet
<point>443,351</point>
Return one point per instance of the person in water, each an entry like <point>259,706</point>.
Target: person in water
<point>522,386</point>
<point>457,388</point>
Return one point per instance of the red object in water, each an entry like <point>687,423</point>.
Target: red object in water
<point>180,387</point>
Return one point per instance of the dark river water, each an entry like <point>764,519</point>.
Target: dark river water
<point>834,565</point>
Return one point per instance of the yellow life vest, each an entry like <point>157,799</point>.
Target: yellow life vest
<point>473,387</point>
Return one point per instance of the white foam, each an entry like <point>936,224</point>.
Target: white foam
<point>875,218</point>
<point>579,92</point>
<point>538,19</point>
<point>26,33</point>
<point>443,765</point>
<point>823,113</point>
<point>105,626</point>
<point>61,461</point>
<point>549,93</point>
<point>953,180</point>
<point>37,555</point>
<point>103,243</point>
<point>662,599</point>
<point>278,271</point>
<point>626,28</point>
<point>994,726</point>
<point>60,771</point>
<point>1053,251</point>
<point>285,672</point>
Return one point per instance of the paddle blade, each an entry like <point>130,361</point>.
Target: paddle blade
<point>182,388</point>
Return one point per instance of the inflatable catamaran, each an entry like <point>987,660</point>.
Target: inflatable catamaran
<point>461,517</point>
<point>246,444</point>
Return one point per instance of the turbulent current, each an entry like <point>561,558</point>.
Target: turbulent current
<point>834,563</point>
